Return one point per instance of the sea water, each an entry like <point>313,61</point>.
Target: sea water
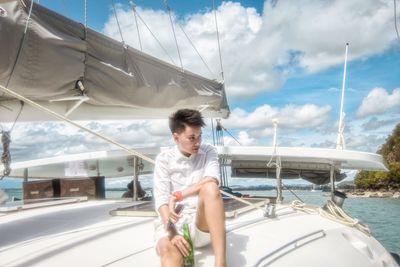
<point>382,215</point>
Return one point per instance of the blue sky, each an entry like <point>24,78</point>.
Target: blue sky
<point>282,59</point>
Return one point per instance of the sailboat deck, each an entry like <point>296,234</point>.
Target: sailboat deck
<point>232,208</point>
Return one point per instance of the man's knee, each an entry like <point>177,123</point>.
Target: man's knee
<point>210,189</point>
<point>165,248</point>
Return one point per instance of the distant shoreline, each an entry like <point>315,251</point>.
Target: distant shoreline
<point>374,194</point>
<point>349,193</point>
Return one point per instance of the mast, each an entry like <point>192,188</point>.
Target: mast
<point>340,142</point>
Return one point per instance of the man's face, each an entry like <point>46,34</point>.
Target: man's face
<point>189,140</point>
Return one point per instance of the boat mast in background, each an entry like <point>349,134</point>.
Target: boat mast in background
<point>340,142</point>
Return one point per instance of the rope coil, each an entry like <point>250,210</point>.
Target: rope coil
<point>6,156</point>
<point>332,212</point>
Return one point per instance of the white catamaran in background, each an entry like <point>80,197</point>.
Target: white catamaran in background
<point>57,68</point>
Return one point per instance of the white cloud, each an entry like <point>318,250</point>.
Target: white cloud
<point>376,124</point>
<point>379,101</point>
<point>259,51</point>
<point>290,116</point>
<point>244,139</point>
<point>54,138</point>
<point>363,142</point>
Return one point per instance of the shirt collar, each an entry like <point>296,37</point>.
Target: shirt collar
<point>180,156</point>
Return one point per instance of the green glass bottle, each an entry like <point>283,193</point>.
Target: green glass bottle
<point>188,261</point>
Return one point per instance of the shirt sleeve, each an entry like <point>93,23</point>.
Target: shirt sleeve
<point>211,168</point>
<point>161,182</point>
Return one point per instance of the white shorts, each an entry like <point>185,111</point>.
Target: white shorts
<point>199,238</point>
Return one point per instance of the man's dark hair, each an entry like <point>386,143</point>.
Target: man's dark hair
<point>183,117</point>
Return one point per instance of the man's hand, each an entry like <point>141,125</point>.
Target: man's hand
<point>173,216</point>
<point>181,243</point>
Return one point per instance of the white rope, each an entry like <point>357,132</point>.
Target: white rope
<point>332,212</point>
<point>301,206</point>
<point>63,118</point>
<point>6,156</point>
<point>336,213</point>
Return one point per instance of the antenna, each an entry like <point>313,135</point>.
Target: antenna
<point>340,142</point>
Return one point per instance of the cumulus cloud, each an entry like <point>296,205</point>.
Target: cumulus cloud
<point>375,123</point>
<point>379,101</point>
<point>260,51</point>
<point>243,139</point>
<point>362,142</point>
<point>54,138</point>
<point>290,116</point>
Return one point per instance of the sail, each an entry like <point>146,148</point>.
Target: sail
<point>85,75</point>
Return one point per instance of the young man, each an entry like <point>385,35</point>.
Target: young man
<point>188,174</point>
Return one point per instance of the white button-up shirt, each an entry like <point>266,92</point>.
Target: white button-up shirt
<point>174,172</point>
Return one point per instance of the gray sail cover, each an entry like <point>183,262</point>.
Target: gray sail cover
<point>119,82</point>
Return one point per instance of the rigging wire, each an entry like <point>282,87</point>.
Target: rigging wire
<point>237,141</point>
<point>222,160</point>
<point>197,51</point>
<point>395,19</point>
<point>223,128</point>
<point>287,188</point>
<point>173,31</point>
<point>116,18</point>
<point>136,22</point>
<point>155,38</point>
<point>85,14</point>
<point>188,38</point>
<point>65,6</point>
<point>219,45</point>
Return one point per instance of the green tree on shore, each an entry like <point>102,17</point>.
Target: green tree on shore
<point>384,180</point>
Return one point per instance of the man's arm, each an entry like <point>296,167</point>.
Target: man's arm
<point>192,190</point>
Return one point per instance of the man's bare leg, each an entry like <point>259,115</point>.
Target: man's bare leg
<point>211,218</point>
<point>169,254</point>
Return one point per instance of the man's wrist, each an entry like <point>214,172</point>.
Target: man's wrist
<point>178,195</point>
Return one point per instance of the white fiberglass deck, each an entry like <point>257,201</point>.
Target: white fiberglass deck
<point>84,234</point>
